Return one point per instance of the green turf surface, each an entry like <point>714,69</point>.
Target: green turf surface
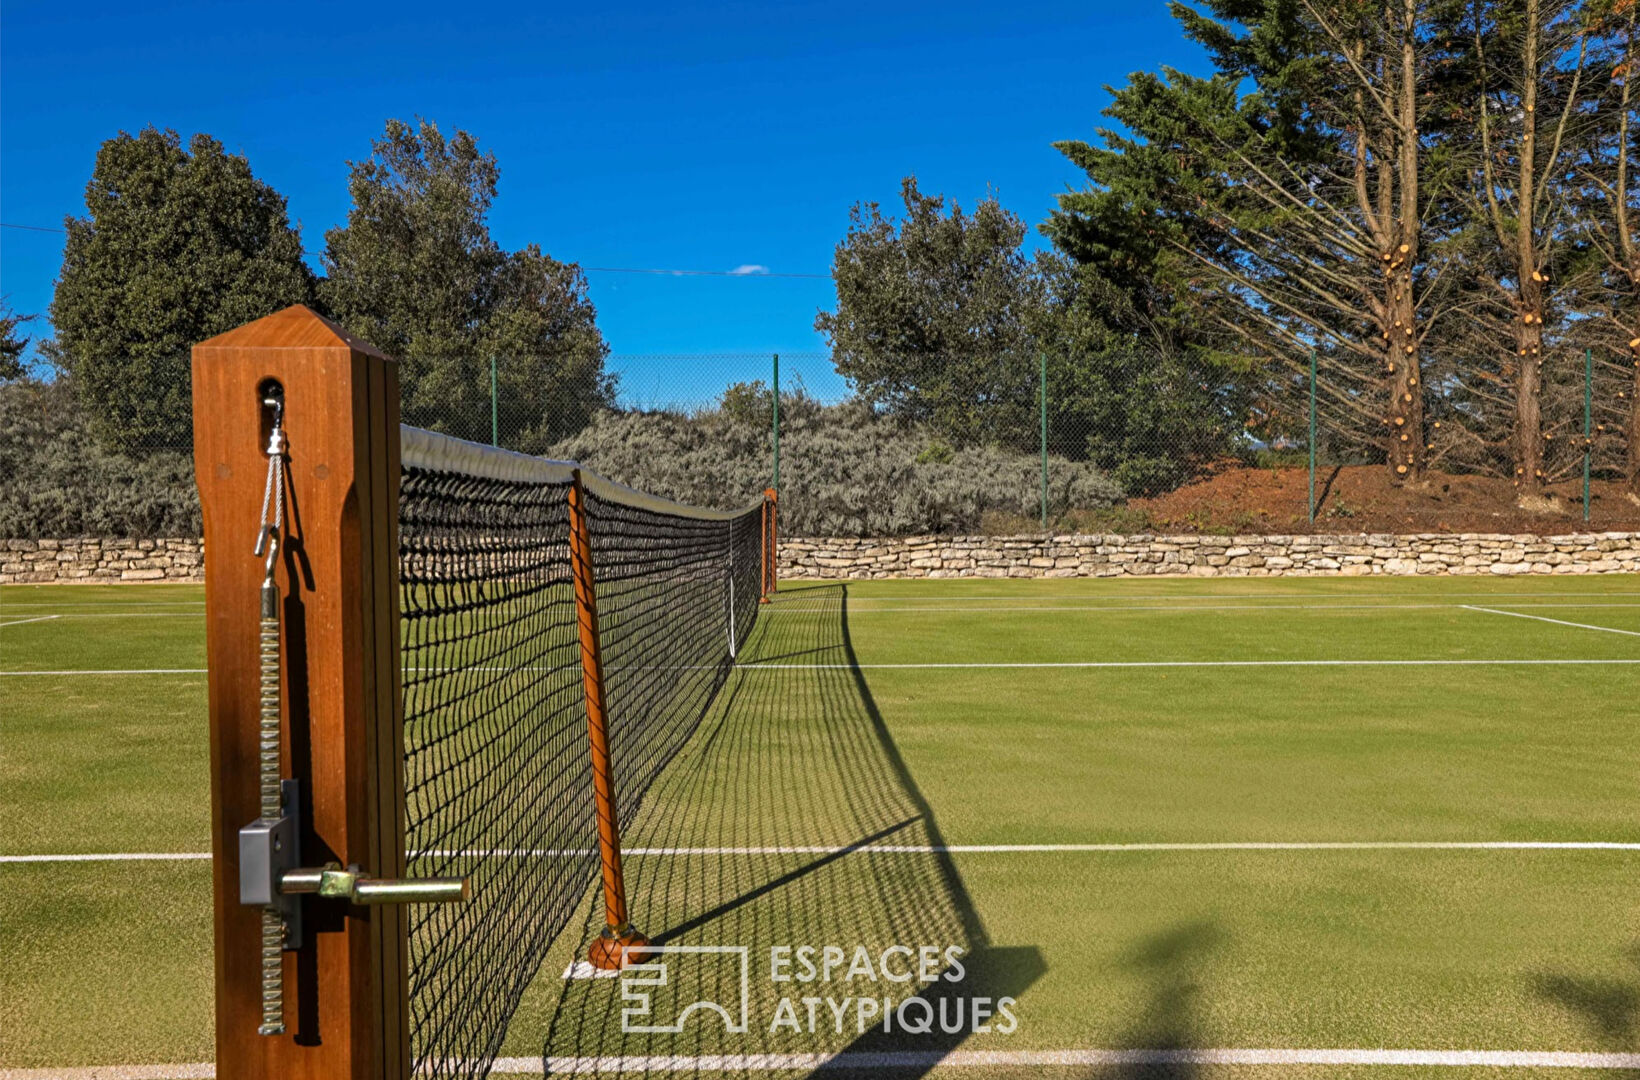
<point>109,963</point>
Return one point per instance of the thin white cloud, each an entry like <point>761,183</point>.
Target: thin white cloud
<point>750,268</point>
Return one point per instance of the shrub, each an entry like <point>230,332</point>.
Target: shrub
<point>845,471</point>
<point>58,482</point>
<point>1143,476</point>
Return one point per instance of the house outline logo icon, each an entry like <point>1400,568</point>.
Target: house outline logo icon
<point>636,979</point>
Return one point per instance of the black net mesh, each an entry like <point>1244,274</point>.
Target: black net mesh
<point>673,593</point>
<point>497,767</point>
<point>790,819</point>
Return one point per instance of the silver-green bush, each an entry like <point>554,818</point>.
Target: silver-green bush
<point>56,481</point>
<point>845,471</point>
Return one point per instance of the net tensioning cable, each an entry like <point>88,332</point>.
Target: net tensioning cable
<point>497,782</point>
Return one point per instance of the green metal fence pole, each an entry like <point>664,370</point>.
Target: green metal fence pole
<point>1588,430</point>
<point>495,408</point>
<point>1312,434</point>
<point>776,484</point>
<point>1042,394</point>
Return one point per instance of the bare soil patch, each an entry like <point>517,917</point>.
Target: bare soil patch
<point>1242,499</point>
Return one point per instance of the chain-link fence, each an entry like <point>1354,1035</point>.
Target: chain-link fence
<point>877,447</point>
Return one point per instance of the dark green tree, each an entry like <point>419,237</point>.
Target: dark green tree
<point>1128,389</point>
<point>178,244</point>
<point>1301,193</point>
<point>934,316</point>
<point>12,342</point>
<point>415,272</point>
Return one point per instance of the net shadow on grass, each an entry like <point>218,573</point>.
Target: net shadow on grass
<point>759,836</point>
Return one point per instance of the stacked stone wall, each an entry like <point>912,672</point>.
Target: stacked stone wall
<point>1209,556</point>
<point>1074,555</point>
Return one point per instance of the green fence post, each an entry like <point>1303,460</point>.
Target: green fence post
<point>1042,394</point>
<point>776,484</point>
<point>495,408</point>
<point>1312,434</point>
<point>1588,430</point>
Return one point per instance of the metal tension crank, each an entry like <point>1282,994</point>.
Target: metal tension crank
<point>270,875</point>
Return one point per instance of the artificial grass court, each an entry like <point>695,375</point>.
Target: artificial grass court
<point>834,795</point>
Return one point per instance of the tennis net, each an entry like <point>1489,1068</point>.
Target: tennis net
<point>498,785</point>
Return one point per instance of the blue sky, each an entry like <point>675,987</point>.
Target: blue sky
<point>629,134</point>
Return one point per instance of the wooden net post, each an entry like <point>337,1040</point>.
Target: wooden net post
<point>771,543</point>
<point>619,944</point>
<point>340,735</point>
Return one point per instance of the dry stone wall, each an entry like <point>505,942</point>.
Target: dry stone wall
<point>98,561</point>
<point>1209,556</point>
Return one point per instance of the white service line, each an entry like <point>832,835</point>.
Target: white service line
<point>1488,1059</point>
<point>201,615</point>
<point>107,603</point>
<point>110,856</point>
<point>1557,622</point>
<point>941,849</point>
<point>923,1059</point>
<point>196,1071</point>
<point>795,594</point>
<point>1174,609</point>
<point>115,671</point>
<point>37,618</point>
<point>754,665</point>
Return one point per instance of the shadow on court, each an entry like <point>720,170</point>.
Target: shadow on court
<point>1170,963</point>
<point>769,829</point>
<point>1609,1007</point>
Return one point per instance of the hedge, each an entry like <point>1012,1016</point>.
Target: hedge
<point>845,471</point>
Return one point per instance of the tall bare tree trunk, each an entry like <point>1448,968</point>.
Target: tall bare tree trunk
<point>1634,411</point>
<point>1405,451</point>
<point>1406,436</point>
<point>1529,281</point>
<point>1628,256</point>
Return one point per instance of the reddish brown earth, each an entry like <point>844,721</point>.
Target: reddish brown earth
<point>1240,499</point>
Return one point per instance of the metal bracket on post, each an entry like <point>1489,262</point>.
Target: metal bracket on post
<point>271,874</point>
<point>267,851</point>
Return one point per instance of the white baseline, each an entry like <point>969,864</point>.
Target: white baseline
<point>753,665</point>
<point>932,849</point>
<point>535,1066</point>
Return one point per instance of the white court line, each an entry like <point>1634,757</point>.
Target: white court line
<point>941,849</point>
<point>1174,609</point>
<point>1557,622</point>
<point>1491,1059</point>
<point>856,609</point>
<point>110,856</point>
<point>753,665</point>
<point>757,666</point>
<point>37,618</point>
<point>535,1066</point>
<point>201,614</point>
<point>83,605</point>
<point>796,593</point>
<point>115,671</point>
<point>197,1071</point>
<point>39,606</point>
